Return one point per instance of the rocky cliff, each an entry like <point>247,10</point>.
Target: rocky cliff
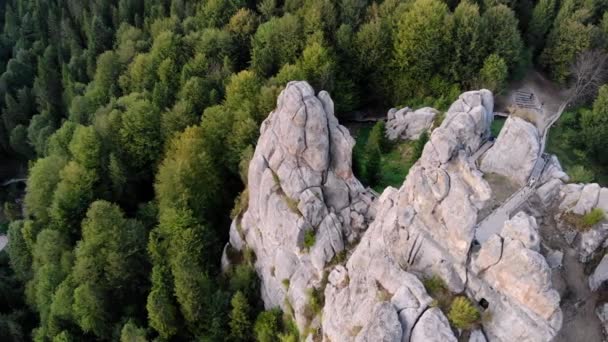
<point>301,185</point>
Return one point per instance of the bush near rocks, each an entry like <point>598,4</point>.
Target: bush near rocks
<point>580,174</point>
<point>584,222</point>
<point>309,239</point>
<point>593,217</point>
<point>463,314</point>
<point>442,296</point>
<point>267,325</point>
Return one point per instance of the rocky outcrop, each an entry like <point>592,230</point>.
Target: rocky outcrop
<point>600,275</point>
<point>580,199</point>
<point>512,276</point>
<point>300,184</point>
<point>426,228</point>
<point>515,151</point>
<point>407,124</point>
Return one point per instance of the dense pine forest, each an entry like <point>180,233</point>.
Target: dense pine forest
<point>138,120</point>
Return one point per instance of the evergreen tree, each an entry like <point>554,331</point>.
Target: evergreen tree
<point>240,324</point>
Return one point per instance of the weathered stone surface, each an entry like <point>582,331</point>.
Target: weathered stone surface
<point>602,201</point>
<point>588,199</point>
<point>477,336</point>
<point>433,327</point>
<point>549,191</point>
<point>555,259</point>
<point>517,286</point>
<point>600,274</point>
<point>406,124</point>
<point>515,151</point>
<point>425,228</point>
<point>383,327</point>
<point>523,228</point>
<point>602,314</point>
<point>590,240</point>
<point>553,170</point>
<point>300,179</point>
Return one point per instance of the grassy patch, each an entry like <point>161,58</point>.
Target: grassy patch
<point>463,314</point>
<point>395,161</point>
<point>442,296</point>
<point>584,222</point>
<point>497,125</point>
<point>316,300</point>
<point>309,239</point>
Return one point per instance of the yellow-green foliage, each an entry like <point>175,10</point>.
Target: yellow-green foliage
<point>593,217</point>
<point>309,239</point>
<point>440,293</point>
<point>584,222</point>
<point>463,315</point>
<point>240,204</point>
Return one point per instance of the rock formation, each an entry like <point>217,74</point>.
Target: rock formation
<point>600,275</point>
<point>300,181</point>
<point>513,160</point>
<point>407,124</point>
<point>579,199</point>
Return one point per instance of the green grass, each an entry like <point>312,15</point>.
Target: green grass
<point>577,164</point>
<point>584,222</point>
<point>497,126</point>
<point>394,165</point>
<point>463,314</point>
<point>309,239</point>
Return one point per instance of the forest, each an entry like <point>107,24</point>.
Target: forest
<point>137,120</point>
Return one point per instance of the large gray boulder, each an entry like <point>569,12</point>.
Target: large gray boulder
<point>515,151</point>
<point>406,124</point>
<point>600,274</point>
<point>300,182</point>
<point>433,327</point>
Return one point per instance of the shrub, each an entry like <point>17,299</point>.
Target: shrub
<point>309,239</point>
<point>463,315</point>
<point>373,159</point>
<point>579,174</point>
<point>315,301</point>
<point>267,325</point>
<point>442,297</point>
<point>593,217</point>
<point>433,285</point>
<point>378,136</point>
<point>244,279</point>
<point>240,325</point>
<point>240,204</point>
<point>584,222</point>
<point>285,283</point>
<point>419,145</point>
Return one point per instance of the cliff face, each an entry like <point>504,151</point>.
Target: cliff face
<point>300,181</point>
<point>301,186</point>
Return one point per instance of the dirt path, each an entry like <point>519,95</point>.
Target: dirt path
<point>549,94</point>
<point>578,305</point>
